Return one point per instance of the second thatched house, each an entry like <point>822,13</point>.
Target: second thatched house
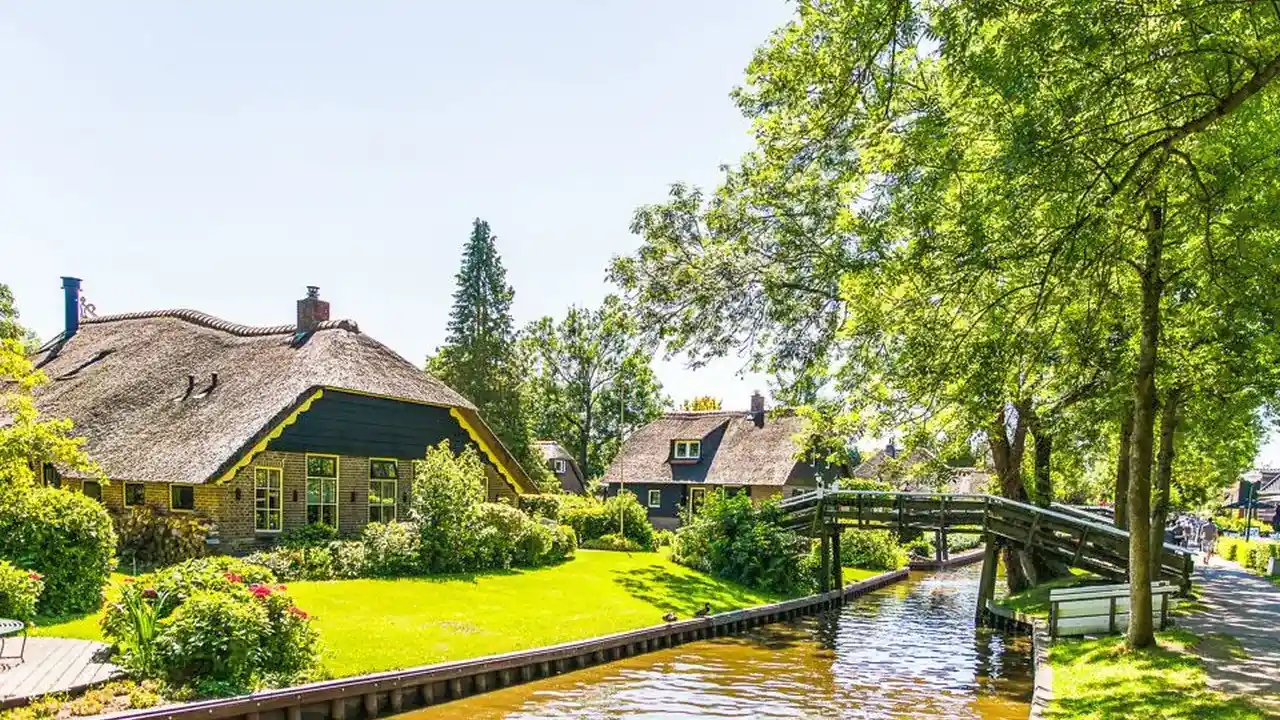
<point>672,462</point>
<point>259,429</point>
<point>561,464</point>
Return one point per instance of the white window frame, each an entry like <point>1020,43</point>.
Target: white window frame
<point>697,496</point>
<point>652,502</point>
<point>559,466</point>
<point>267,489</point>
<point>337,490</point>
<point>395,490</point>
<point>688,450</point>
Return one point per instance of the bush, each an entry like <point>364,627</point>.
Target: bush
<point>447,491</point>
<point>614,542</point>
<point>921,547</point>
<point>351,560</point>
<point>564,542</point>
<point>19,592</point>
<point>541,506</point>
<point>390,549</point>
<point>592,519</point>
<point>217,624</point>
<point>308,536</point>
<point>65,536</point>
<point>733,539</point>
<point>534,546</point>
<point>499,529</point>
<point>963,541</point>
<point>663,538</point>
<point>302,563</point>
<point>152,535</point>
<point>871,550</point>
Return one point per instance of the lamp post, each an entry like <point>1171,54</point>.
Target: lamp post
<point>622,515</point>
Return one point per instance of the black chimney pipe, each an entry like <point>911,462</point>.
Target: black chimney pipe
<point>70,306</point>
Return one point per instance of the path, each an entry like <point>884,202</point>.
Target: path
<point>53,665</point>
<point>1247,608</point>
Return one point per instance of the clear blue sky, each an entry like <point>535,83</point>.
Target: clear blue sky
<point>222,156</point>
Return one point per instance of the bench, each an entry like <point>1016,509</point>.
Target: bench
<point>1102,609</point>
<point>8,629</point>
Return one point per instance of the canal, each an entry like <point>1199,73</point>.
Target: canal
<point>907,651</point>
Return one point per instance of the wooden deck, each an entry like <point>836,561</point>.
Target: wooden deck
<point>53,665</point>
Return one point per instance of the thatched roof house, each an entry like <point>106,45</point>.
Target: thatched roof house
<point>562,464</point>
<point>178,397</point>
<point>670,462</point>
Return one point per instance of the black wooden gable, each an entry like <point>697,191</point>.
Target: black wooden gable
<point>341,423</point>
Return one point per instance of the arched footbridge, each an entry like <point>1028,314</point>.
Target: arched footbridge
<point>1079,538</point>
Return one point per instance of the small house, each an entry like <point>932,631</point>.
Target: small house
<point>672,462</point>
<point>259,429</point>
<point>561,464</point>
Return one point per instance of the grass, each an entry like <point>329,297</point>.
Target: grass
<point>1099,678</point>
<point>372,625</point>
<point>1035,601</point>
<point>852,575</point>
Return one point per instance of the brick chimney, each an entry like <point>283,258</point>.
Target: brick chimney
<point>311,310</point>
<point>757,408</point>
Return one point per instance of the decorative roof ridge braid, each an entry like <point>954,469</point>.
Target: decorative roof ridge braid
<point>195,317</point>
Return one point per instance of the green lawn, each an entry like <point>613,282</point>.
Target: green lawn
<point>371,625</point>
<point>1098,678</point>
<point>1036,600</point>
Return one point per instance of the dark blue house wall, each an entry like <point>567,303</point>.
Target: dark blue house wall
<point>675,496</point>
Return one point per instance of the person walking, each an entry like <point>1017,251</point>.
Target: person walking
<point>1208,540</point>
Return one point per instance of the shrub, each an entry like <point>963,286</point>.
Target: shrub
<point>534,546</point>
<point>963,541</point>
<point>613,541</point>
<point>350,560</point>
<point>301,563</point>
<point>19,592</point>
<point>65,536</point>
<point>733,539</point>
<point>662,538</point>
<point>391,549</point>
<point>213,636</point>
<point>499,529</point>
<point>447,489</point>
<point>871,550</point>
<point>150,534</point>
<point>545,505</point>
<point>564,542</point>
<point>591,519</point>
<point>920,547</point>
<point>308,536</point>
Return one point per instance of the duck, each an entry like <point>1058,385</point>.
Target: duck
<point>670,617</point>
<point>703,611</point>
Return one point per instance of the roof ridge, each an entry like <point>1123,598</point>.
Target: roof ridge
<point>196,317</point>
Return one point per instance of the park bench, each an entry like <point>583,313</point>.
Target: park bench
<point>1102,609</point>
<point>9,629</point>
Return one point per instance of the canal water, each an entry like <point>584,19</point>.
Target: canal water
<point>907,651</point>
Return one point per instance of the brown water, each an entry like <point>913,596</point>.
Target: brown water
<point>908,651</point>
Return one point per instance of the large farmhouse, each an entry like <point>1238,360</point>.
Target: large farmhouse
<point>261,429</point>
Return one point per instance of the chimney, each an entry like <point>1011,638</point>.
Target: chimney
<point>757,408</point>
<point>70,306</point>
<point>311,310</point>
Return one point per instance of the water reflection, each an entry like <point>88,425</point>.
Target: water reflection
<point>907,651</point>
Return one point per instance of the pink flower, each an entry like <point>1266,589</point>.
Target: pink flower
<point>260,590</point>
<point>35,576</point>
<point>298,612</point>
<point>234,578</point>
<point>150,593</point>
<point>281,588</point>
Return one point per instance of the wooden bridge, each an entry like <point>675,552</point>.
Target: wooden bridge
<point>1079,538</point>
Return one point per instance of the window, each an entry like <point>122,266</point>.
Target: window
<point>382,490</point>
<point>51,476</point>
<point>696,496</point>
<point>92,489</point>
<point>688,449</point>
<point>559,466</point>
<point>655,498</point>
<point>268,499</point>
<point>322,489</point>
<point>182,497</point>
<point>135,494</point>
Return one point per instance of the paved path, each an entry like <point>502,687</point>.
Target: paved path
<point>1247,608</point>
<point>52,665</point>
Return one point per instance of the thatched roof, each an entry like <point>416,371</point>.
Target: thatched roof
<point>123,380</point>
<point>575,480</point>
<point>871,467</point>
<point>735,451</point>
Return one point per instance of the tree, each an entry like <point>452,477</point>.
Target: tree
<point>702,402</point>
<point>589,372</point>
<point>9,327</point>
<point>27,440</point>
<point>447,492</point>
<point>479,358</point>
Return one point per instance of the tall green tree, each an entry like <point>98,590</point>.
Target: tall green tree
<point>10,329</point>
<point>480,358</point>
<point>591,381</point>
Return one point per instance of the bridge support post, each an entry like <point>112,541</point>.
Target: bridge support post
<point>940,546</point>
<point>987,582</point>
<point>837,572</point>
<point>825,553</point>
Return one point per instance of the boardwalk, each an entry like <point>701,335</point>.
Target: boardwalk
<point>1247,608</point>
<point>54,665</point>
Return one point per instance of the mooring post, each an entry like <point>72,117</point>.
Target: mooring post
<point>987,582</point>
<point>940,546</point>
<point>836,570</point>
<point>825,553</point>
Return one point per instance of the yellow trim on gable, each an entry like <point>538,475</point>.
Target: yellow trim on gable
<point>247,458</point>
<point>493,458</point>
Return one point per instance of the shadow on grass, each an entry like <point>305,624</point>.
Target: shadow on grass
<point>681,594</point>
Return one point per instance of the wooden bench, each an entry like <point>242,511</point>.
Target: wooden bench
<point>1102,609</point>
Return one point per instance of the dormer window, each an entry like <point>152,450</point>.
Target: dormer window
<point>559,466</point>
<point>687,449</point>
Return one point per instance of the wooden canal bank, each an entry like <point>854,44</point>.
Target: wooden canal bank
<point>386,693</point>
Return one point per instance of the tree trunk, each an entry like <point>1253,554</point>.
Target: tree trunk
<point>1043,442</point>
<point>1006,454</point>
<point>1164,472</point>
<point>1122,468</point>
<point>1141,634</point>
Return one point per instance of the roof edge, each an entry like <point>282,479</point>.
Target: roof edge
<point>195,317</point>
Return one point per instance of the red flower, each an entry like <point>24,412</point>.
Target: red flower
<point>127,581</point>
<point>150,593</point>
<point>232,577</point>
<point>298,612</point>
<point>281,588</point>
<point>260,590</point>
<point>35,576</point>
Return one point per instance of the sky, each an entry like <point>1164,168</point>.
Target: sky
<point>223,156</point>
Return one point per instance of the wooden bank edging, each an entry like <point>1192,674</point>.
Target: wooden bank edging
<point>1012,620</point>
<point>968,557</point>
<point>369,696</point>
